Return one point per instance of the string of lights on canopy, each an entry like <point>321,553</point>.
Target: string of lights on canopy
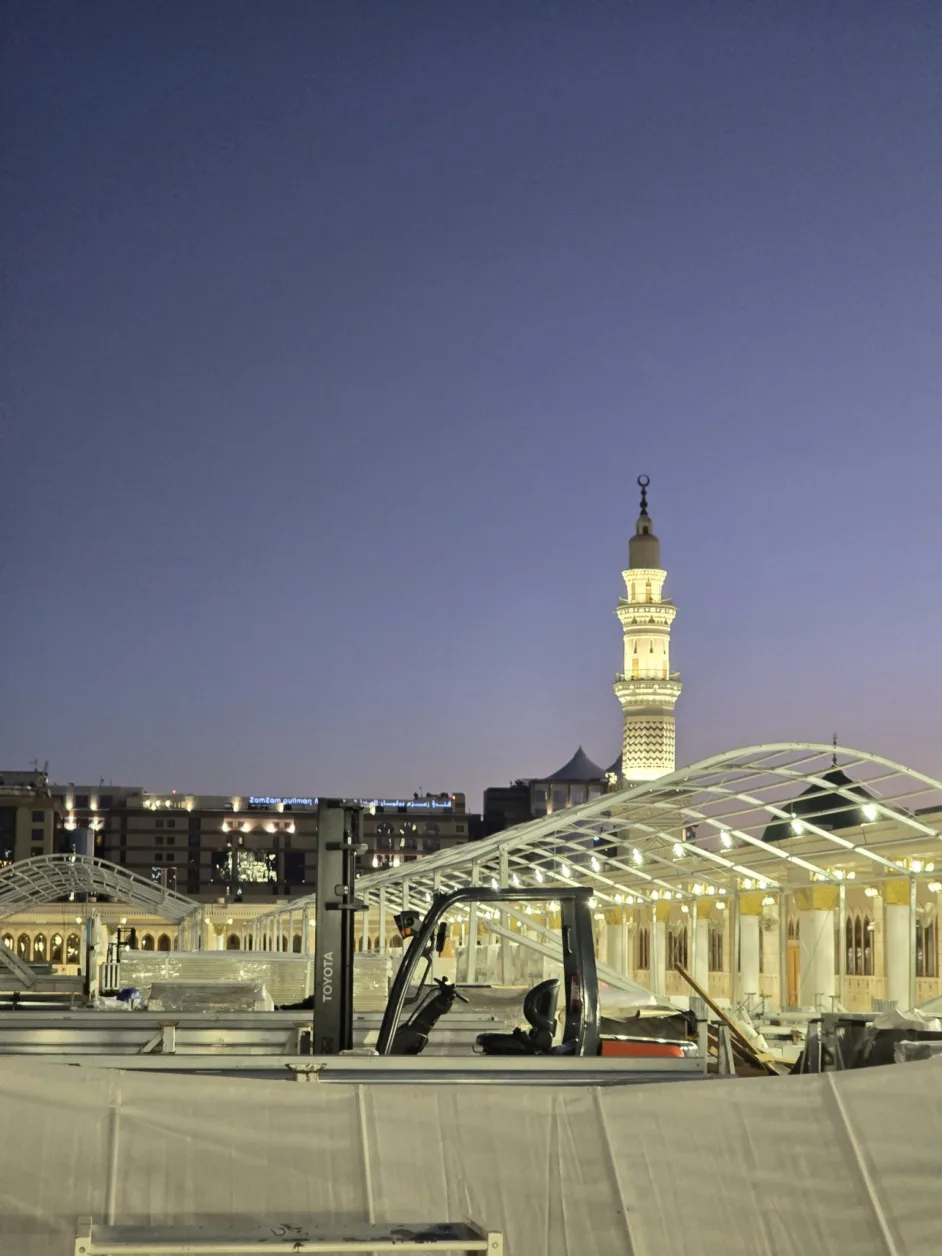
<point>766,818</point>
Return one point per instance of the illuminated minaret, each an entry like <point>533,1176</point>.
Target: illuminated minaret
<point>646,689</point>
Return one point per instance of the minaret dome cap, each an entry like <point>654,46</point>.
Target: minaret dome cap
<point>644,549</point>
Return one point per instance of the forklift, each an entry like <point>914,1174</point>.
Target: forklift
<point>417,1001</point>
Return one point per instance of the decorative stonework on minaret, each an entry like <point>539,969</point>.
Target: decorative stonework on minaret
<point>646,689</point>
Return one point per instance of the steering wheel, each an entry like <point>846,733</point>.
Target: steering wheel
<point>445,986</point>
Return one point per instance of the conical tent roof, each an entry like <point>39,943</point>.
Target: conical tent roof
<point>579,768</point>
<point>814,805</point>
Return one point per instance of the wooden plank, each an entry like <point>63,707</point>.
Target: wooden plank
<point>740,1039</point>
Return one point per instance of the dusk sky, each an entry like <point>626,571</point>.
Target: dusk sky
<point>335,335</point>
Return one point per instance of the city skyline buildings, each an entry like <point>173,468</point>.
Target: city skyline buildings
<point>322,386</point>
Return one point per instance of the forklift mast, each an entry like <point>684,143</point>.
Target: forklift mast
<point>338,844</point>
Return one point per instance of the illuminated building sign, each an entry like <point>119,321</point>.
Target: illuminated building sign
<point>424,804</point>
<point>282,802</point>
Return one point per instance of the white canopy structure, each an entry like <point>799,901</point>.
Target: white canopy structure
<point>50,877</point>
<point>765,818</point>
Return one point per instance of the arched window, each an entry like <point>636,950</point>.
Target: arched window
<point>648,597</point>
<point>55,953</point>
<point>643,948</point>
<point>849,947</point>
<point>632,590</point>
<point>163,943</point>
<point>284,942</point>
<point>73,949</point>
<point>634,669</point>
<point>867,947</point>
<point>858,946</point>
<point>147,942</point>
<point>296,944</point>
<point>232,942</point>
<point>8,941</point>
<point>24,947</point>
<point>716,949</point>
<point>39,947</point>
<point>926,952</point>
<point>676,947</point>
<point>396,942</point>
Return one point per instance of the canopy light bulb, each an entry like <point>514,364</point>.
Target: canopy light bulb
<point>726,840</point>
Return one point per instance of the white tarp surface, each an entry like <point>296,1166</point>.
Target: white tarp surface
<point>832,1165</point>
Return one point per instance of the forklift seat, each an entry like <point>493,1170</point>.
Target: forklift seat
<point>539,1009</point>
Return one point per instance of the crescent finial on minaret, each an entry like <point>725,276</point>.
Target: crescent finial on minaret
<point>643,482</point>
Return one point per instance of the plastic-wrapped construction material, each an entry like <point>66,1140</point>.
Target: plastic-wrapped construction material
<point>915,1018</point>
<point>371,971</point>
<point>287,978</point>
<point>906,1052</point>
<point>209,996</point>
<point>828,1164</point>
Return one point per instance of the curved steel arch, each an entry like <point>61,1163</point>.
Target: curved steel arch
<point>47,878</point>
<point>733,796</point>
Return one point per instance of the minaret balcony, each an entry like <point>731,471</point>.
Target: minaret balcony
<point>623,677</point>
<point>634,691</point>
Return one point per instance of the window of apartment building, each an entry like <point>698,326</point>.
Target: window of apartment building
<point>430,843</point>
<point>81,800</point>
<point>294,867</point>
<point>158,824</point>
<point>171,840</point>
<point>158,857</point>
<point>105,801</point>
<point>171,824</point>
<point>193,841</point>
<point>159,841</point>
<point>459,828</point>
<point>39,817</point>
<point>38,835</point>
<point>195,824</point>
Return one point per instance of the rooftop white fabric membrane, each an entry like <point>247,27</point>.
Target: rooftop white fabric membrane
<point>830,1164</point>
<point>50,877</point>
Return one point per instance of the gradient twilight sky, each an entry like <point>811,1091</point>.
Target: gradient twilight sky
<point>335,335</point>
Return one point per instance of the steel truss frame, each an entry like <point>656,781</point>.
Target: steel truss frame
<point>47,878</point>
<point>697,832</point>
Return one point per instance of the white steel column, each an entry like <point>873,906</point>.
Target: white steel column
<point>749,943</point>
<point>473,932</point>
<point>382,921</point>
<point>701,950</point>
<point>898,951</point>
<point>505,944</point>
<point>783,950</point>
<point>816,920</point>
<point>842,948</point>
<point>658,949</point>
